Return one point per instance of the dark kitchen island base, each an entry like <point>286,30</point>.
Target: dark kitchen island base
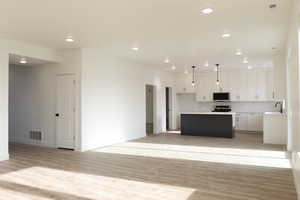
<point>211,125</point>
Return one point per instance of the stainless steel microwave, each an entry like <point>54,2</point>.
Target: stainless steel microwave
<point>221,96</point>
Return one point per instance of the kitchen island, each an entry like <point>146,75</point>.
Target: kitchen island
<point>211,124</point>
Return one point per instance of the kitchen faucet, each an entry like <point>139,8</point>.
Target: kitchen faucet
<point>280,104</point>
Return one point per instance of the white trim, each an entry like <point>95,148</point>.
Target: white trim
<point>4,157</point>
<point>31,142</point>
<point>294,160</point>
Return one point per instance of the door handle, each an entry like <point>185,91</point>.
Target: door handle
<point>56,114</point>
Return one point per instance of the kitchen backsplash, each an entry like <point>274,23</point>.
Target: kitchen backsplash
<point>188,103</point>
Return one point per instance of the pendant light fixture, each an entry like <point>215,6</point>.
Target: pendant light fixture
<point>193,82</point>
<point>218,78</point>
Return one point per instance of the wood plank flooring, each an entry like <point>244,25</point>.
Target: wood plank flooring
<point>166,166</point>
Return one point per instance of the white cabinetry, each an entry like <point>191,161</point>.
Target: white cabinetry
<point>184,84</point>
<point>249,121</point>
<point>243,85</point>
<point>238,85</point>
<point>242,122</point>
<point>205,87</point>
<point>275,128</point>
<point>255,122</point>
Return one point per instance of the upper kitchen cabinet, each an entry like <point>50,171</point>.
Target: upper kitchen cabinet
<point>183,83</point>
<point>260,85</point>
<point>205,87</point>
<point>238,82</point>
<point>243,85</point>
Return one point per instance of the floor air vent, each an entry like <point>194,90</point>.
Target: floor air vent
<point>35,135</point>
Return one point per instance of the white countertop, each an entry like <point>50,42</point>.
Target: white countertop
<point>274,113</point>
<point>208,113</point>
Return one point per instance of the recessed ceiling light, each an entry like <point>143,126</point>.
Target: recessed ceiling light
<point>206,64</point>
<point>226,35</point>
<point>245,61</point>
<point>173,67</point>
<point>23,61</point>
<point>186,71</point>
<point>167,60</point>
<point>238,53</point>
<point>135,48</point>
<point>250,67</point>
<point>207,11</point>
<point>69,39</point>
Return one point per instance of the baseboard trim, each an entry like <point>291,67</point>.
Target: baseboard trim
<point>4,157</point>
<point>295,158</point>
<point>34,143</point>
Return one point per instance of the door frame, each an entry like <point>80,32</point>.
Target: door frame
<point>169,108</point>
<point>154,108</point>
<point>75,113</point>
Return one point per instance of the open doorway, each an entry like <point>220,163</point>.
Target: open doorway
<point>169,108</point>
<point>32,101</point>
<point>150,90</point>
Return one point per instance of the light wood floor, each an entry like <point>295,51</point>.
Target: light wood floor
<point>164,167</point>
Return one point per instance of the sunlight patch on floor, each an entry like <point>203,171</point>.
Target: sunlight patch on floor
<point>263,158</point>
<point>45,183</point>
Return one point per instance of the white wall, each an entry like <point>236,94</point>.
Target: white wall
<point>113,99</point>
<point>3,105</point>
<point>32,103</point>
<point>293,98</point>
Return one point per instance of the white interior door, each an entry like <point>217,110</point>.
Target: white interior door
<point>65,116</point>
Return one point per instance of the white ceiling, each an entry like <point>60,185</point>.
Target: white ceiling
<point>161,28</point>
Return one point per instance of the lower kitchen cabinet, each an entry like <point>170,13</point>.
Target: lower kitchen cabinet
<point>249,122</point>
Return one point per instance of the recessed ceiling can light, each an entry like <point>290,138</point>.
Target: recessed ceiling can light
<point>69,39</point>
<point>173,67</point>
<point>207,11</point>
<point>135,48</point>
<point>226,35</point>
<point>167,60</point>
<point>245,61</point>
<point>206,64</point>
<point>250,67</point>
<point>238,53</point>
<point>23,61</point>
